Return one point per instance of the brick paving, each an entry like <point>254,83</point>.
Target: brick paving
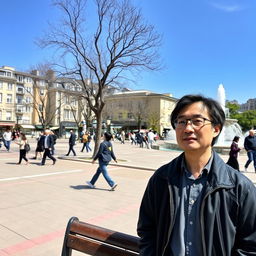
<point>37,201</point>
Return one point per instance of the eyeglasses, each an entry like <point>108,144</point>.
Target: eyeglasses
<point>196,122</point>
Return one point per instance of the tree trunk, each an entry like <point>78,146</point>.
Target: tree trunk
<point>98,132</point>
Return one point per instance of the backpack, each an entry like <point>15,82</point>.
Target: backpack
<point>27,147</point>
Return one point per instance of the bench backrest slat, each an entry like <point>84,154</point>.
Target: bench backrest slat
<point>97,241</point>
<point>105,235</point>
<point>96,248</point>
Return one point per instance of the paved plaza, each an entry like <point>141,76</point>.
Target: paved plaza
<point>37,201</point>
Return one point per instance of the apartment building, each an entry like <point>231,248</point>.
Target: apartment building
<point>249,105</point>
<point>65,105</point>
<point>31,102</point>
<point>133,110</point>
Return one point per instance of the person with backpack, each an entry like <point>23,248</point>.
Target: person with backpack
<point>87,144</point>
<point>22,142</point>
<point>84,141</point>
<point>104,154</point>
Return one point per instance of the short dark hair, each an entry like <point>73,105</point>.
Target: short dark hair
<point>108,136</point>
<point>236,138</point>
<point>216,112</point>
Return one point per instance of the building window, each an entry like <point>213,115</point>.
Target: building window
<point>1,97</point>
<point>42,83</point>
<point>73,102</point>
<point>120,115</point>
<point>0,114</point>
<point>66,114</point>
<point>66,100</point>
<point>73,114</point>
<point>19,99</point>
<point>8,115</point>
<point>129,115</point>
<point>28,79</point>
<point>42,92</point>
<point>9,87</point>
<point>28,109</point>
<point>28,100</point>
<point>1,85</point>
<point>20,79</point>
<point>9,98</point>
<point>29,89</point>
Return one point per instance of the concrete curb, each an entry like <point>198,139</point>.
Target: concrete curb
<point>112,164</point>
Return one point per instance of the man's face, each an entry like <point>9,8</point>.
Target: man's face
<point>251,132</point>
<point>191,138</point>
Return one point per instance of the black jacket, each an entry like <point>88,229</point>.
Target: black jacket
<point>250,143</point>
<point>50,141</point>
<point>228,211</point>
<point>72,139</point>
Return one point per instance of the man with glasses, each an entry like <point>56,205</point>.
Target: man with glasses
<point>196,204</point>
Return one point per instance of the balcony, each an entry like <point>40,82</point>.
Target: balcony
<point>19,111</point>
<point>20,91</point>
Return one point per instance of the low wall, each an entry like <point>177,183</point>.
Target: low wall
<point>224,150</point>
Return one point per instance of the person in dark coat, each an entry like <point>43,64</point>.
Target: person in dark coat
<point>48,144</point>
<point>39,146</point>
<point>233,153</point>
<point>72,143</point>
<point>104,154</point>
<point>197,204</point>
<point>250,147</point>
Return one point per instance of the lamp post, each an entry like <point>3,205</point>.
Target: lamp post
<point>109,125</point>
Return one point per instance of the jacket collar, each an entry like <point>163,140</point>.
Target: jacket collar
<point>219,175</point>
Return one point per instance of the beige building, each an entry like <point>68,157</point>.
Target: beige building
<point>14,95</point>
<point>32,102</point>
<point>132,110</point>
<point>65,105</point>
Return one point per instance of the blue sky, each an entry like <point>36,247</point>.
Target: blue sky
<point>205,43</point>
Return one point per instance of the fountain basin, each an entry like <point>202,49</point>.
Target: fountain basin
<point>224,150</point>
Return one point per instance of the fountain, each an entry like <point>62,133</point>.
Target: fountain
<point>231,127</point>
<point>229,131</point>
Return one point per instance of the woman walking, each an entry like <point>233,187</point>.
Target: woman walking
<point>105,154</point>
<point>22,142</point>
<point>234,149</point>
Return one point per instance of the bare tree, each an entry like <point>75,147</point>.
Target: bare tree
<point>153,121</point>
<point>122,42</point>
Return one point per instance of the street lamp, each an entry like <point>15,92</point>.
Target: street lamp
<point>109,125</point>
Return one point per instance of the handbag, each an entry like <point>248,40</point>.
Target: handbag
<point>27,147</point>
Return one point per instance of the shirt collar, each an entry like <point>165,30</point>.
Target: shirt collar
<point>205,170</point>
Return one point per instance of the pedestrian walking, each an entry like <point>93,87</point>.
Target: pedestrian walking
<point>151,139</point>
<point>39,146</point>
<point>22,141</point>
<point>72,143</point>
<point>7,138</point>
<point>122,136</point>
<point>197,204</point>
<point>54,136</point>
<point>84,141</point>
<point>139,139</point>
<point>133,138</point>
<point>233,154</point>
<point>48,144</point>
<point>87,144</point>
<point>104,156</point>
<point>250,147</point>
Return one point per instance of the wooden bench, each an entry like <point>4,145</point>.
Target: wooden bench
<point>98,241</point>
